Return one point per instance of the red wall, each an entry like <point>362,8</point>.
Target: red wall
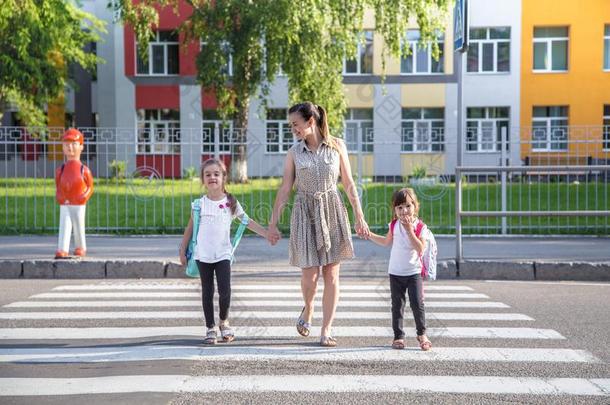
<point>154,97</point>
<point>168,166</point>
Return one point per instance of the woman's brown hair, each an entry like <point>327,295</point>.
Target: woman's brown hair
<point>307,110</point>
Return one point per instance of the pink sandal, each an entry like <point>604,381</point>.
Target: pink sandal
<point>424,343</point>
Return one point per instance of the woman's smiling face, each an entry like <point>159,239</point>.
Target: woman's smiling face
<point>300,128</point>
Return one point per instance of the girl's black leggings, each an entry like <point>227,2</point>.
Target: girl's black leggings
<point>223,279</point>
<point>399,285</point>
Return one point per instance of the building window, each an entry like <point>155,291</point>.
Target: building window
<point>607,47</point>
<point>489,50</point>
<point>607,127</point>
<point>158,131</point>
<point>423,130</point>
<point>420,60</point>
<point>550,49</point>
<point>550,128</point>
<point>362,64</point>
<point>216,134</point>
<point>225,48</point>
<point>359,129</point>
<point>484,127</point>
<point>279,133</point>
<point>163,55</point>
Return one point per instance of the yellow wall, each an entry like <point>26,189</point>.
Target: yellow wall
<point>433,162</point>
<point>585,88</point>
<point>360,95</point>
<point>367,164</point>
<point>423,95</point>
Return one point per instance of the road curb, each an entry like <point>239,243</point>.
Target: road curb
<point>446,270</point>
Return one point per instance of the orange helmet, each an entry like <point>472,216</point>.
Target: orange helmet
<point>73,135</point>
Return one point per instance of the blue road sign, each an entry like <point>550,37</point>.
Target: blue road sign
<point>460,25</point>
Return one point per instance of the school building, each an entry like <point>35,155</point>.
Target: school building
<point>537,72</point>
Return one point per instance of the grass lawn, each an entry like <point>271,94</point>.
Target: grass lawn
<point>163,206</point>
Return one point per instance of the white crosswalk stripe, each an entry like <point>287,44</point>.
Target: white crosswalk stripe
<point>258,287</point>
<point>238,295</point>
<point>61,327</point>
<point>242,303</point>
<point>237,314</point>
<point>198,353</point>
<point>303,383</point>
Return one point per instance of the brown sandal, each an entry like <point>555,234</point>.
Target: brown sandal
<point>304,328</point>
<point>398,344</point>
<point>424,343</point>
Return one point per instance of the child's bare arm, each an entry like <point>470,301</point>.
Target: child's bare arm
<point>418,243</point>
<point>256,227</point>
<point>381,240</point>
<point>188,232</point>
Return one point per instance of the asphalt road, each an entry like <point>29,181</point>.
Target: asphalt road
<point>75,341</point>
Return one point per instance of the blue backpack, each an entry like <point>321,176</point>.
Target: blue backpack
<point>191,265</point>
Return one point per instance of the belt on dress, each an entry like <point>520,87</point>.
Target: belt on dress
<point>321,221</point>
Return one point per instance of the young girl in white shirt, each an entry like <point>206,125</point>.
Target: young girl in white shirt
<point>213,250</point>
<point>407,238</point>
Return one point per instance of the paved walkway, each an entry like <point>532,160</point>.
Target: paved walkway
<point>255,251</point>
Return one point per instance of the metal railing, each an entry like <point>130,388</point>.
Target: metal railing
<point>148,190</point>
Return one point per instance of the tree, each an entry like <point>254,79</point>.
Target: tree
<point>38,40</point>
<point>307,40</point>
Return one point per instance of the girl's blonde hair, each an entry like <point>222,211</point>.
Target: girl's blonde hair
<point>400,197</point>
<point>223,169</point>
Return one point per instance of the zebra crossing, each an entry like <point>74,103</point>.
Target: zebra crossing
<point>122,324</point>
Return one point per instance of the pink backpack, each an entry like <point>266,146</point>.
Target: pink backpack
<point>428,258</point>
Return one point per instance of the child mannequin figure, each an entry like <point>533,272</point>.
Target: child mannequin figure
<point>74,186</point>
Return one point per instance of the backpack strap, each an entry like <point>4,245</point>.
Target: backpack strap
<point>245,220</point>
<point>419,227</point>
<point>393,225</point>
<point>82,170</point>
<point>196,209</point>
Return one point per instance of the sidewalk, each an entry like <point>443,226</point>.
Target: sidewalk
<point>522,258</point>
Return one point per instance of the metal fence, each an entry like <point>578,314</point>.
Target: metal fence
<point>145,178</point>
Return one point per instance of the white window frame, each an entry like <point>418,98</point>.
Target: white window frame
<point>165,44</point>
<point>422,121</point>
<point>606,40</point>
<point>548,121</point>
<point>360,55</point>
<point>283,142</point>
<point>220,134</point>
<point>479,43</point>
<point>413,44</point>
<point>606,131</point>
<point>367,142</point>
<point>170,127</point>
<point>494,131</point>
<point>549,52</point>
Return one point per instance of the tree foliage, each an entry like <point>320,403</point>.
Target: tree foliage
<point>38,40</point>
<point>307,41</point>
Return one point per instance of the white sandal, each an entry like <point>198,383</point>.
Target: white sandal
<point>211,337</point>
<point>227,333</point>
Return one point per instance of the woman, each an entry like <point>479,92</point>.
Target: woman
<point>320,235</point>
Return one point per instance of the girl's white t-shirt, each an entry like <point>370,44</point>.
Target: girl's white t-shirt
<point>214,236</point>
<point>404,260</point>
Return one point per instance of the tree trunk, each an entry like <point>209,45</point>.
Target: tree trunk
<point>239,161</point>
